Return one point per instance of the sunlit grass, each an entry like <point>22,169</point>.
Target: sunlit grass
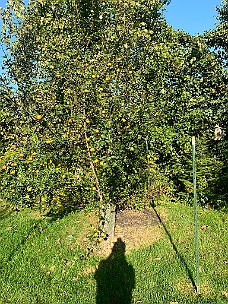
<point>169,274</point>
<point>45,260</point>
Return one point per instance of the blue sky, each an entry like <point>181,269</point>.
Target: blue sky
<point>193,16</point>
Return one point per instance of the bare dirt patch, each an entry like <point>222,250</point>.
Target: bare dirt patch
<point>135,228</point>
<point>147,217</point>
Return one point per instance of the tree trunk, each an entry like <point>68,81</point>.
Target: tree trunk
<point>107,220</point>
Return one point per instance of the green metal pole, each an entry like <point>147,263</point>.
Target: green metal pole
<point>195,215</point>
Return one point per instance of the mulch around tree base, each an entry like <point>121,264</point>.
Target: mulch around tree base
<point>135,229</point>
<point>128,218</point>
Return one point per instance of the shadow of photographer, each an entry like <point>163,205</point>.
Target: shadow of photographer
<point>115,277</point>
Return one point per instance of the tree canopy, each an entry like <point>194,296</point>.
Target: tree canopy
<point>101,101</point>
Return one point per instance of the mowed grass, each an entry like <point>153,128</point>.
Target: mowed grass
<point>44,260</point>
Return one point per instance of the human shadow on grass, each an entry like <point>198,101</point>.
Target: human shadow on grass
<point>115,277</point>
<point>182,260</point>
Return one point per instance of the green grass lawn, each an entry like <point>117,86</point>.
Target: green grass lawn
<point>44,260</point>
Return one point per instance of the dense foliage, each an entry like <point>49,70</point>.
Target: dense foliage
<point>217,40</point>
<point>104,100</point>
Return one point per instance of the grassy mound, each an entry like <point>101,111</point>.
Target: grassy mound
<point>45,260</point>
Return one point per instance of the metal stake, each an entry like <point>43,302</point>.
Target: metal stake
<point>195,216</point>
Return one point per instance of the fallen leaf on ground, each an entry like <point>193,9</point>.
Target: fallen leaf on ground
<point>75,279</point>
<point>89,270</point>
<point>58,241</point>
<point>224,293</point>
<point>52,268</point>
<point>204,227</point>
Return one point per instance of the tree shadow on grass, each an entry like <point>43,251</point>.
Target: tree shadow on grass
<point>17,247</point>
<point>182,260</point>
<point>5,211</point>
<point>115,277</point>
